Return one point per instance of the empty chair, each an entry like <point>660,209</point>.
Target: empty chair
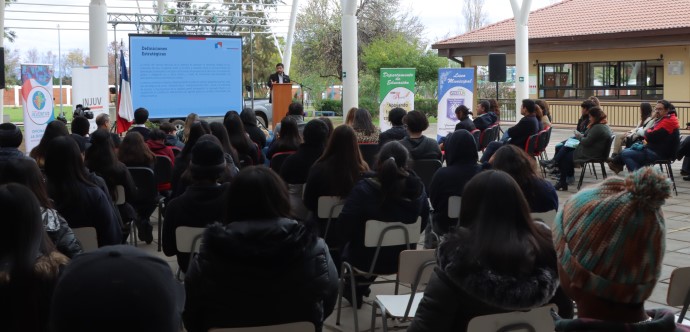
<point>679,291</point>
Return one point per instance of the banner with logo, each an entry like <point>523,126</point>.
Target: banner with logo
<point>90,89</point>
<point>396,90</point>
<point>455,88</point>
<point>37,102</point>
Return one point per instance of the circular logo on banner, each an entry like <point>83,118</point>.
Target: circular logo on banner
<point>40,108</point>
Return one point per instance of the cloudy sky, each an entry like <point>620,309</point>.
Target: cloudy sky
<point>36,21</point>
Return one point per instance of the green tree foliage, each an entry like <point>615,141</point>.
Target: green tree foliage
<point>12,62</point>
<point>10,35</point>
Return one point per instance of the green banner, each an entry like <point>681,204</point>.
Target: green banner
<point>396,90</point>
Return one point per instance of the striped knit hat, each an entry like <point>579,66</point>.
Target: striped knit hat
<point>610,237</point>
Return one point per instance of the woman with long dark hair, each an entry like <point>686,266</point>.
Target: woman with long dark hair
<point>498,260</point>
<point>393,194</point>
<point>76,196</point>
<point>182,160</point>
<point>259,252</point>
<point>364,127</point>
<point>53,129</point>
<point>218,130</point>
<point>25,172</point>
<point>247,151</point>
<point>183,135</point>
<point>288,139</point>
<point>252,127</point>
<point>338,169</point>
<point>134,152</point>
<point>29,263</point>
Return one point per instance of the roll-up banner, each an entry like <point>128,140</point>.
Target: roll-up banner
<point>397,90</point>
<point>90,89</point>
<point>37,101</point>
<point>455,88</point>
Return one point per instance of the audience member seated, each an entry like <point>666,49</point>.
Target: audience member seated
<point>497,261</point>
<point>463,114</point>
<point>398,131</point>
<point>134,152</point>
<point>647,120</point>
<point>251,125</point>
<point>141,115</point>
<point>561,149</point>
<point>185,156</point>
<point>540,194</point>
<point>80,132</point>
<point>485,118</point>
<point>100,159</point>
<point>544,106</point>
<point>495,108</point>
<point>296,113</point>
<point>10,139</point>
<point>171,139</point>
<point>103,122</point>
<point>201,203</point>
<point>229,170</point>
<point>295,168</point>
<point>394,194</point>
<point>419,146</point>
<point>287,139</point>
<point>25,172</point>
<point>117,288</point>
<point>30,264</point>
<point>247,151</point>
<point>328,123</point>
<point>520,132</point>
<point>156,144</point>
<point>684,152</point>
<point>365,129</point>
<point>610,287</point>
<point>660,140</point>
<point>77,198</point>
<point>261,266</point>
<point>183,135</point>
<point>53,129</point>
<point>231,157</point>
<point>334,174</point>
<point>461,161</point>
<point>350,117</point>
<point>544,121</point>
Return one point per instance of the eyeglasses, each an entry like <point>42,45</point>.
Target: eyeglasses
<point>659,109</point>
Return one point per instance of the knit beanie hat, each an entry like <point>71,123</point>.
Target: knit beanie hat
<point>117,288</point>
<point>207,157</point>
<point>10,136</point>
<point>610,238</point>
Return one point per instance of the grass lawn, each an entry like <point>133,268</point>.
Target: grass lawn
<point>16,115</point>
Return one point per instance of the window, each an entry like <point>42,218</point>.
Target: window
<point>637,80</point>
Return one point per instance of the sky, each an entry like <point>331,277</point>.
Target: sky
<point>442,18</point>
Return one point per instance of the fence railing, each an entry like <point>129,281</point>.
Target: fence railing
<point>620,114</point>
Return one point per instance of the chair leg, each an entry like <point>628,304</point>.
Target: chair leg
<point>353,288</point>
<point>160,223</point>
<point>384,320</point>
<point>670,175</point>
<point>603,170</point>
<point>341,286</point>
<point>582,175</point>
<point>681,315</point>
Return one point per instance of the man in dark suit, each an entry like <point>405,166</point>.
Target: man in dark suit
<point>277,77</point>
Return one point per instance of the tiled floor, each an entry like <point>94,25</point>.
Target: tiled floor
<point>676,212</point>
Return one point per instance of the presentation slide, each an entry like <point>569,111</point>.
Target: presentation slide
<point>173,75</point>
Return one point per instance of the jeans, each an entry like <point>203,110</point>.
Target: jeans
<point>490,150</point>
<point>636,159</point>
<point>566,163</point>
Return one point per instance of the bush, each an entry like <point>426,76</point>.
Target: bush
<point>427,106</point>
<point>331,105</point>
<point>370,105</point>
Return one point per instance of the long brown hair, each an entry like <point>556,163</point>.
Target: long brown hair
<point>343,160</point>
<point>134,151</point>
<point>598,115</point>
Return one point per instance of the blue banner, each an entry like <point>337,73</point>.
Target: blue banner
<point>455,88</point>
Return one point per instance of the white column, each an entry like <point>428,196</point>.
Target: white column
<point>521,14</point>
<point>98,33</point>
<point>287,56</point>
<point>350,94</point>
<point>161,11</point>
<point>16,95</point>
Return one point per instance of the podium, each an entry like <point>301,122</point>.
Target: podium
<point>282,98</point>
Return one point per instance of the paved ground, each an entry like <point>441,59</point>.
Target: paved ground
<point>676,212</point>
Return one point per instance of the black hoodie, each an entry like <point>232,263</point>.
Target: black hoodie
<point>461,158</point>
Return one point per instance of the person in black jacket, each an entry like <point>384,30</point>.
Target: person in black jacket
<point>520,132</point>
<point>278,77</point>
<point>261,266</point>
<point>251,126</point>
<point>10,140</point>
<point>201,203</point>
<point>485,118</point>
<point>461,160</point>
<point>141,115</point>
<point>498,260</point>
<point>394,194</point>
<point>463,114</point>
<point>398,131</point>
<point>420,146</point>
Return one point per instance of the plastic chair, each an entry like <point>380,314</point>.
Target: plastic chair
<point>600,160</point>
<point>489,135</point>
<point>290,327</point>
<point>535,320</point>
<point>278,159</point>
<point>454,203</point>
<point>147,191</point>
<point>415,268</point>
<point>477,134</point>
<point>669,171</point>
<point>425,169</point>
<point>120,198</point>
<point>679,291</point>
<point>188,241</point>
<point>547,217</point>
<point>369,152</point>
<point>377,234</point>
<point>329,208</point>
<point>88,238</point>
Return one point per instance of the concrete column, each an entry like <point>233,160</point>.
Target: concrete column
<point>161,11</point>
<point>287,56</point>
<point>521,14</point>
<point>350,94</point>
<point>98,33</point>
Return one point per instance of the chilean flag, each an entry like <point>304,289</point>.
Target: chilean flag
<point>125,110</point>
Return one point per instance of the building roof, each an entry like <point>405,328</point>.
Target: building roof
<point>582,18</point>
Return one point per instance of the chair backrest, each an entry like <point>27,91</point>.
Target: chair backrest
<point>162,169</point>
<point>188,239</point>
<point>290,327</point>
<point>544,139</point>
<point>489,135</point>
<point>176,151</point>
<point>87,236</point>
<point>369,151</point>
<point>119,195</point>
<point>425,169</point>
<point>678,287</point>
<point>146,183</point>
<point>532,144</point>
<point>278,159</point>
<point>329,207</point>
<point>454,207</point>
<point>391,233</point>
<point>547,217</point>
<point>415,266</point>
<point>535,320</point>
<point>477,134</point>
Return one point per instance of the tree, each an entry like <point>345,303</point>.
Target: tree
<point>12,63</point>
<point>473,12</point>
<point>74,58</point>
<point>31,56</point>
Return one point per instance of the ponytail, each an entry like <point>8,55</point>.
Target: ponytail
<point>392,170</point>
